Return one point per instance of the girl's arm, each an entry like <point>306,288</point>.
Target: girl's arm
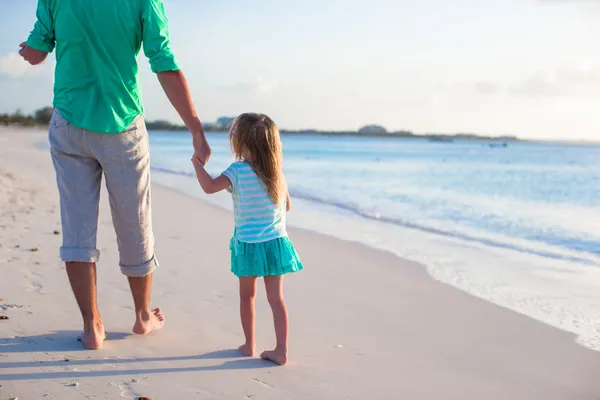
<point>209,185</point>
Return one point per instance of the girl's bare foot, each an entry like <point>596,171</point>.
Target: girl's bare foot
<point>147,322</point>
<point>278,356</point>
<point>247,349</point>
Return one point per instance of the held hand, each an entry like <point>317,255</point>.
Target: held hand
<point>32,56</point>
<point>201,148</point>
<point>197,161</point>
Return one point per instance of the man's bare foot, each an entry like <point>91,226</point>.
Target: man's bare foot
<point>247,349</point>
<point>93,336</point>
<point>147,322</point>
<point>278,356</point>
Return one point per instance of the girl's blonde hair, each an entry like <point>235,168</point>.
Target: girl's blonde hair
<point>255,139</point>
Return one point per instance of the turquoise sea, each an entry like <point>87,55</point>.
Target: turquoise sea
<point>516,225</point>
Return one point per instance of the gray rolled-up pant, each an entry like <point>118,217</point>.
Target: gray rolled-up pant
<point>80,158</point>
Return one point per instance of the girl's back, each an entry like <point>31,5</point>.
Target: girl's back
<point>257,218</point>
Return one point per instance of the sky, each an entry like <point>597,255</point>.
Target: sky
<point>529,68</point>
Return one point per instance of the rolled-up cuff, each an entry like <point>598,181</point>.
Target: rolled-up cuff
<point>39,44</point>
<point>78,254</point>
<point>164,63</point>
<point>139,271</point>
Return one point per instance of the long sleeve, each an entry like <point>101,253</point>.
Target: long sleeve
<point>155,40</point>
<point>42,36</point>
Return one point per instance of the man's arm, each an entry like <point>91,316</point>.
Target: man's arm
<point>41,41</point>
<point>157,48</point>
<point>175,86</point>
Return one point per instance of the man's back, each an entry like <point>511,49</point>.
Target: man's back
<point>96,90</point>
<point>96,82</point>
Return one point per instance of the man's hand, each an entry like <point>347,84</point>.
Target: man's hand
<point>32,56</point>
<point>197,162</point>
<point>209,185</point>
<point>202,150</point>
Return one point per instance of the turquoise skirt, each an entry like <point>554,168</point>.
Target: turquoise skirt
<point>275,257</point>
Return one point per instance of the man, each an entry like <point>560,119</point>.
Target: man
<point>97,128</point>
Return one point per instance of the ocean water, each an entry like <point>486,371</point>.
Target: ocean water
<point>518,226</point>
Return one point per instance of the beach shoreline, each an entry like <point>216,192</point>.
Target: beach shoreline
<point>365,323</point>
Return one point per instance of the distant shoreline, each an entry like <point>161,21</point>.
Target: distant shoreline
<point>439,138</point>
<point>406,135</point>
<point>499,141</point>
<point>432,137</point>
<point>400,134</point>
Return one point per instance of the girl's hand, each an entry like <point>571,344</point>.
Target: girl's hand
<point>209,185</point>
<point>196,161</point>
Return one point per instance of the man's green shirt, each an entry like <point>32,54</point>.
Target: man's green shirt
<point>97,41</point>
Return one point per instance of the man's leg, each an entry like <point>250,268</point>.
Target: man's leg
<point>83,282</point>
<point>125,159</point>
<point>146,320</point>
<point>78,177</point>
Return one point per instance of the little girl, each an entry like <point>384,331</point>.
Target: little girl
<point>260,245</point>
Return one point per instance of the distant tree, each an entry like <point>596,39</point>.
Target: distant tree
<point>403,134</point>
<point>43,115</point>
<point>159,125</point>
<point>225,121</point>
<point>212,127</point>
<point>372,130</point>
<point>18,118</point>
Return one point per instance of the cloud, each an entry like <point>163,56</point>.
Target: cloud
<point>12,65</point>
<point>481,88</point>
<point>558,82</point>
<point>260,84</point>
<point>571,1</point>
<point>572,81</point>
<point>541,84</point>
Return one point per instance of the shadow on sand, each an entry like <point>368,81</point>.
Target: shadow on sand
<point>65,341</point>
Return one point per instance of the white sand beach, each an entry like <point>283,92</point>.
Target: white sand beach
<point>364,324</point>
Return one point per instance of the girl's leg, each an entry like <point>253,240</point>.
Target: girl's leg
<point>274,287</point>
<point>247,296</point>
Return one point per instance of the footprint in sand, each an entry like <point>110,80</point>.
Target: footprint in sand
<point>126,391</point>
<point>5,307</point>
<point>263,383</point>
<point>37,287</point>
